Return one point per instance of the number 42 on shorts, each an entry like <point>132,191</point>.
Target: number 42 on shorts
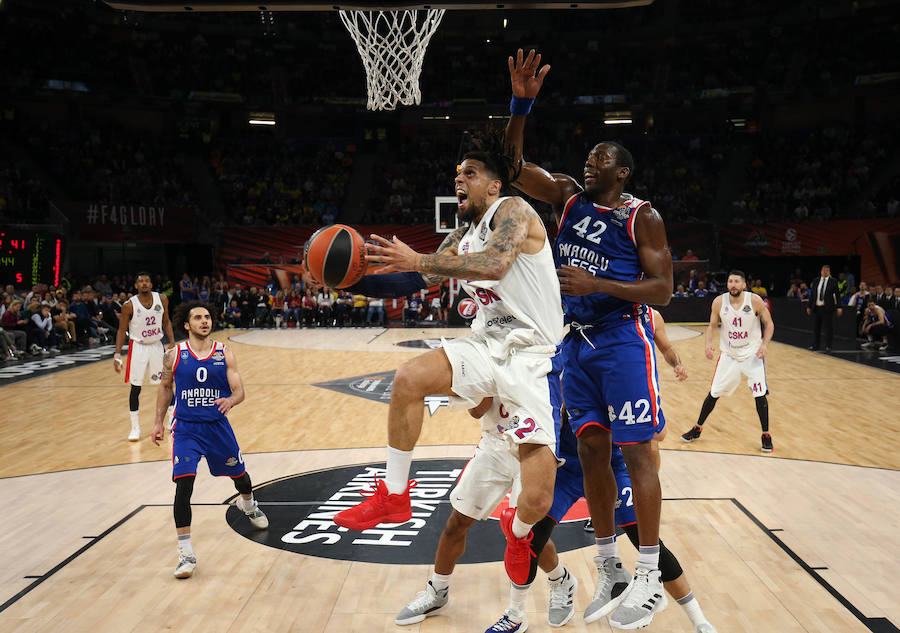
<point>636,413</point>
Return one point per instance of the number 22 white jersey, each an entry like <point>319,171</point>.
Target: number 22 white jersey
<point>740,335</point>
<point>521,310</point>
<point>146,323</point>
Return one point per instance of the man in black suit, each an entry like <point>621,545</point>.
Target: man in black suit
<point>823,302</point>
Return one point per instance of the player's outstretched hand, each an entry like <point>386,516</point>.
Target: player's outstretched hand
<point>225,405</point>
<point>681,373</point>
<point>156,435</point>
<point>576,281</point>
<point>762,351</point>
<point>525,75</point>
<point>397,256</point>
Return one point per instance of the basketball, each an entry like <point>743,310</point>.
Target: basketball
<point>335,256</point>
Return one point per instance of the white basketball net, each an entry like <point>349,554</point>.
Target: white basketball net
<point>392,47</point>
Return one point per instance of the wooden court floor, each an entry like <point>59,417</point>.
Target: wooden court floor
<point>803,540</point>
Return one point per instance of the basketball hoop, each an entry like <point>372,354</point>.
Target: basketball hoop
<point>392,47</point>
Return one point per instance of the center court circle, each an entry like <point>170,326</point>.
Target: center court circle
<point>300,509</point>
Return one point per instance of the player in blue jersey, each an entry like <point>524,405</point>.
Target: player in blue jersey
<point>204,378</point>
<point>613,259</point>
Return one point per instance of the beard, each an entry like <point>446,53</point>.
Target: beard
<point>471,213</point>
<point>735,291</point>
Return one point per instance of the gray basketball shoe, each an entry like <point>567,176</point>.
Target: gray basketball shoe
<point>186,564</point>
<point>612,580</point>
<point>427,603</point>
<point>562,599</point>
<point>643,598</point>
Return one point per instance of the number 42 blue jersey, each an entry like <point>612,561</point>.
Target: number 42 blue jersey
<point>199,382</point>
<point>601,241</point>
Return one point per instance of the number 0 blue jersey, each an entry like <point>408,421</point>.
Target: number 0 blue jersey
<point>199,382</point>
<point>600,240</point>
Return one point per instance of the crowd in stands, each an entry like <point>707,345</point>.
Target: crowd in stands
<point>272,181</point>
<point>815,175</point>
<point>106,162</point>
<point>23,198</point>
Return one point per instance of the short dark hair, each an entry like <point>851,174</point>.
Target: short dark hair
<point>739,273</point>
<point>623,158</point>
<point>182,313</point>
<point>143,273</point>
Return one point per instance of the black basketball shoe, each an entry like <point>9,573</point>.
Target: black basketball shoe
<point>693,434</point>
<point>766,443</point>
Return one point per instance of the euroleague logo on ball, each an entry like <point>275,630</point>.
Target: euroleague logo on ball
<point>467,308</point>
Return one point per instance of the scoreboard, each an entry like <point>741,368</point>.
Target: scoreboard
<point>29,257</point>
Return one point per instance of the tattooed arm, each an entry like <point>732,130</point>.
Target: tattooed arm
<point>450,243</point>
<point>512,222</point>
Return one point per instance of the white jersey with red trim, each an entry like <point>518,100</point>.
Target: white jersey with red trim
<point>521,310</point>
<point>740,335</point>
<point>146,323</point>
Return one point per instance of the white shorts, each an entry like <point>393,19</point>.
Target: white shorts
<point>142,357</point>
<point>486,479</point>
<point>728,375</point>
<point>521,380</point>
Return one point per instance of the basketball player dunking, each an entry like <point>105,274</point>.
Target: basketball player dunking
<point>506,260</point>
<point>203,377</point>
<point>743,348</point>
<point>614,259</point>
<point>145,316</point>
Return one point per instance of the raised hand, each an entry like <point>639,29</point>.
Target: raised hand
<point>526,78</point>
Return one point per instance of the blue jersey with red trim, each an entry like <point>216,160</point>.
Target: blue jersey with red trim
<point>199,382</point>
<point>601,241</point>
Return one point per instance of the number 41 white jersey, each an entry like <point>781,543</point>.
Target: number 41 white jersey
<point>740,334</point>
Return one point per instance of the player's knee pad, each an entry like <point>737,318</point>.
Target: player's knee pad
<point>243,484</point>
<point>669,567</point>
<point>134,398</point>
<point>540,534</point>
<point>184,487</point>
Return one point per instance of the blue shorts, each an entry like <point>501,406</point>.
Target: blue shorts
<point>214,440</point>
<point>569,486</point>
<point>609,380</point>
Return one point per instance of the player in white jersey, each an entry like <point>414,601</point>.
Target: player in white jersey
<point>146,318</point>
<point>506,259</point>
<point>746,329</point>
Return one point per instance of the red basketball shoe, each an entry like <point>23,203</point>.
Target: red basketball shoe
<point>518,554</point>
<point>380,507</point>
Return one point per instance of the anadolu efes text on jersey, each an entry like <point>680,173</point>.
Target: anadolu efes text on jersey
<point>199,382</point>
<point>601,241</point>
<point>522,309</point>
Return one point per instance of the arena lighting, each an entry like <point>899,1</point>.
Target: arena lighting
<point>738,122</point>
<point>445,117</point>
<point>262,118</point>
<point>618,121</point>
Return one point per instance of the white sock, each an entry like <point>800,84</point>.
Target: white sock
<point>606,546</point>
<point>135,419</point>
<point>692,609</point>
<point>184,544</point>
<point>520,529</point>
<point>517,595</point>
<point>557,572</point>
<point>440,581</point>
<point>246,504</point>
<point>397,476</point>
<point>649,556</point>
